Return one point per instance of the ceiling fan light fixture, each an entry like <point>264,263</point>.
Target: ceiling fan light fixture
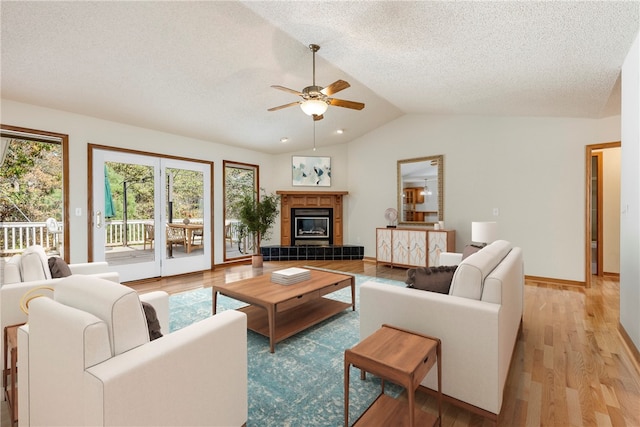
<point>314,107</point>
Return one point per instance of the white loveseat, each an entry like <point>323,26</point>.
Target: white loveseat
<point>29,270</point>
<point>478,323</point>
<point>85,359</point>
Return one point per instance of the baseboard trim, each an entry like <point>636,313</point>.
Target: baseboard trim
<point>555,281</point>
<point>630,345</point>
<point>231,263</point>
<point>460,404</point>
<point>614,275</point>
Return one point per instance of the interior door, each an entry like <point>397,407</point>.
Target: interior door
<point>149,215</point>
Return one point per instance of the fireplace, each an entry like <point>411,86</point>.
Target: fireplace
<point>326,205</point>
<point>317,234</point>
<point>311,226</point>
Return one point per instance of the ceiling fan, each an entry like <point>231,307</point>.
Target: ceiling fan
<point>316,99</point>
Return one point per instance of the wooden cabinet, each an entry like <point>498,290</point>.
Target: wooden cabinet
<point>412,247</point>
<point>383,245</point>
<point>413,195</point>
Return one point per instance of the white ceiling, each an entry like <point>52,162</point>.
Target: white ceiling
<point>204,69</point>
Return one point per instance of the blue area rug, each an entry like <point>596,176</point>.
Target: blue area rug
<point>302,383</point>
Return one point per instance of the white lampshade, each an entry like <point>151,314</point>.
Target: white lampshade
<point>314,107</point>
<point>484,232</point>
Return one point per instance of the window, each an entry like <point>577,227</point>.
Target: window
<point>239,179</point>
<point>33,191</point>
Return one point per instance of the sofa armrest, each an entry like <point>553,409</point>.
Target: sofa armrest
<point>146,385</point>
<point>89,267</point>
<point>160,302</point>
<point>449,258</point>
<point>469,331</point>
<point>11,295</point>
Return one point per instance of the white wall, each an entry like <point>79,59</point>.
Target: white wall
<point>531,169</point>
<point>282,178</point>
<point>611,210</point>
<point>630,196</point>
<point>83,130</point>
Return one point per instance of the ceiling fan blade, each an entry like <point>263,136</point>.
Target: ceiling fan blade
<point>335,87</point>
<point>317,117</point>
<point>346,104</point>
<point>291,104</point>
<point>286,89</point>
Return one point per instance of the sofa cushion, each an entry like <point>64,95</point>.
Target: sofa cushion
<point>468,280</point>
<point>34,264</point>
<point>58,267</point>
<point>11,271</point>
<point>434,279</point>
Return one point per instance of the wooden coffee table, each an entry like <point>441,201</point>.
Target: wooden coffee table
<point>280,311</point>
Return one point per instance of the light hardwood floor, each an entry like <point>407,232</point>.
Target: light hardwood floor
<point>570,366</point>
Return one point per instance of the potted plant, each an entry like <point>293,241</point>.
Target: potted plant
<point>257,215</point>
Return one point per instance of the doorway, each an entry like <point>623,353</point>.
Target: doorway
<point>150,215</point>
<point>602,225</point>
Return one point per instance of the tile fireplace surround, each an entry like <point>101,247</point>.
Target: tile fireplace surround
<point>318,253</point>
<point>288,251</point>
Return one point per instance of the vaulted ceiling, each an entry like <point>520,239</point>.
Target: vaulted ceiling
<point>204,69</point>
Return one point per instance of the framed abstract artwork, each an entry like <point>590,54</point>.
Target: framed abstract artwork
<point>311,171</point>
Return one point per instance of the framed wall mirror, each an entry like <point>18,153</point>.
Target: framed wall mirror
<point>421,190</point>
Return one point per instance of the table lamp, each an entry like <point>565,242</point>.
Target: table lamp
<point>483,233</point>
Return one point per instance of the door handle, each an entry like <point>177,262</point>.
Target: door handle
<point>99,219</point>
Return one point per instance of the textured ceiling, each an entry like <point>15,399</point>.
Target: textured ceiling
<point>204,69</point>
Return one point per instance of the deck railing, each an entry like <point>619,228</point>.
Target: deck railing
<point>15,237</point>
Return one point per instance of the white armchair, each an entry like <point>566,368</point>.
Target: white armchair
<point>85,359</point>
<point>28,271</point>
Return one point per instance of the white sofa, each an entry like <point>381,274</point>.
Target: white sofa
<point>29,270</point>
<point>478,323</point>
<point>86,360</point>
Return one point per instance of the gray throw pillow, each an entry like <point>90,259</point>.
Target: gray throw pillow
<point>153,324</point>
<point>434,279</point>
<point>58,267</point>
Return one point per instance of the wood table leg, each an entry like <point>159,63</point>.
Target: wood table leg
<point>412,403</point>
<point>353,293</point>
<point>346,392</point>
<point>4,369</point>
<point>271,315</point>
<point>214,301</point>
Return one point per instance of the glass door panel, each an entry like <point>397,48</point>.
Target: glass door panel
<point>125,200</point>
<point>188,216</point>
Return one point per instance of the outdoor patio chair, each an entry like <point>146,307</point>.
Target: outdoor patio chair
<point>175,236</point>
<point>149,235</point>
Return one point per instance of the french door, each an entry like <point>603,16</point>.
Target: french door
<point>151,216</point>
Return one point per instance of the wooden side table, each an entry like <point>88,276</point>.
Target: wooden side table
<point>10,390</point>
<point>404,358</point>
